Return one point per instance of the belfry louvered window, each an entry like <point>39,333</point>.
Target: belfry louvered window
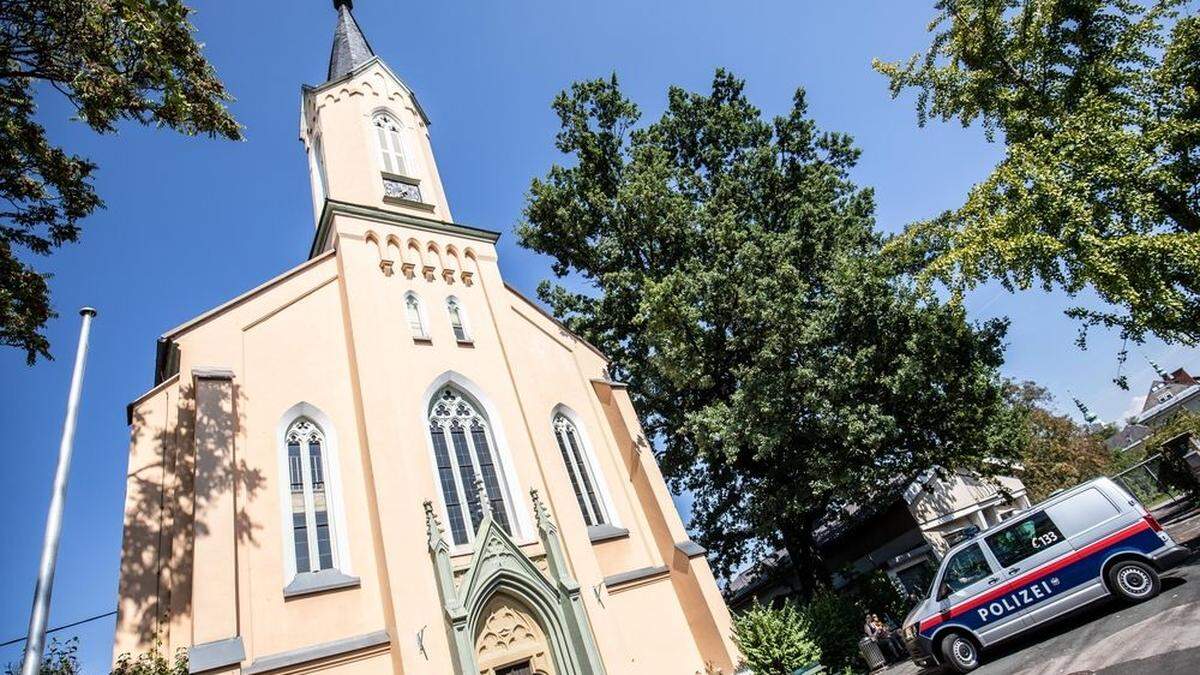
<point>463,451</point>
<point>311,525</point>
<point>387,134</point>
<point>582,480</point>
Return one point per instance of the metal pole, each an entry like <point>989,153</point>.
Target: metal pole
<point>36,639</point>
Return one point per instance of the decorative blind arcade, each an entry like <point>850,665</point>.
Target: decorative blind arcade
<point>466,455</point>
<point>581,479</point>
<point>310,501</point>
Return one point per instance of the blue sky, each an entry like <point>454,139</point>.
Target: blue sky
<point>190,223</point>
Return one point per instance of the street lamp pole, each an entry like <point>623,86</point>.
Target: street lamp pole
<point>35,641</point>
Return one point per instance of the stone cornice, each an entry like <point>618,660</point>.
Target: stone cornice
<point>335,208</point>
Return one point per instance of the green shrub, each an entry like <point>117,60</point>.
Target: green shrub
<point>835,623</point>
<point>59,659</point>
<point>775,641</point>
<point>152,663</point>
<point>879,594</point>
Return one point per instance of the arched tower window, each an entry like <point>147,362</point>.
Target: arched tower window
<point>463,449</point>
<point>458,320</point>
<point>587,491</point>
<point>416,319</point>
<point>310,501</point>
<point>387,133</point>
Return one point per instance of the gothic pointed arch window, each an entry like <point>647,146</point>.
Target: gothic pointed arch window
<point>387,135</point>
<point>312,536</point>
<point>464,450</point>
<point>583,480</point>
<point>415,315</point>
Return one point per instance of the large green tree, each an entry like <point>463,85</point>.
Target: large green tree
<point>1056,452</point>
<point>1098,105</point>
<point>113,60</point>
<point>731,269</point>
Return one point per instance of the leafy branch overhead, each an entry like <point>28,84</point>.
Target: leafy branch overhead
<point>1098,104</point>
<point>113,60</point>
<point>731,269</point>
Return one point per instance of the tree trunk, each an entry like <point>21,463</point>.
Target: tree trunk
<point>1178,211</point>
<point>806,562</point>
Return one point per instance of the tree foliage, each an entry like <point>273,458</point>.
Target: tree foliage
<point>59,659</point>
<point>731,270</point>
<point>1056,452</point>
<point>775,641</point>
<point>1098,104</point>
<point>113,60</point>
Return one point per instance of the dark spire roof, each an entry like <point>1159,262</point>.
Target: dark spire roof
<point>350,48</point>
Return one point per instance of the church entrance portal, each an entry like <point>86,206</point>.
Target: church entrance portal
<point>510,641</point>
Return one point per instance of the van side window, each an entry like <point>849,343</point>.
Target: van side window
<point>965,568</point>
<point>1024,538</point>
<point>1082,512</point>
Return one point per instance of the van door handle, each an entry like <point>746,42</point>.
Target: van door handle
<point>993,581</point>
<point>1013,570</point>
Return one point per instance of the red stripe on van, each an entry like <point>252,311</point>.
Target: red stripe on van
<point>1035,573</point>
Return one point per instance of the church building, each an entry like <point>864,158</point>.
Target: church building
<point>387,460</point>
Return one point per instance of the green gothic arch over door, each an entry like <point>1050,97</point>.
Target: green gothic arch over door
<point>499,568</point>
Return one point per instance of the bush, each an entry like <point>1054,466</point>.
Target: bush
<point>59,659</point>
<point>835,623</point>
<point>152,663</point>
<point>880,594</point>
<point>775,641</point>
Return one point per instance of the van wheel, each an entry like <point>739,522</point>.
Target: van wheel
<point>1133,581</point>
<point>960,653</point>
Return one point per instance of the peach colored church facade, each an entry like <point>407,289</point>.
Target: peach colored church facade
<point>386,460</point>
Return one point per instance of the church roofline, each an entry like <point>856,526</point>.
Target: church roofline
<point>306,89</point>
<point>165,349</point>
<point>334,207</point>
<point>568,331</point>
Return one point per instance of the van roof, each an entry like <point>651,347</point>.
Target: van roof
<point>1054,498</point>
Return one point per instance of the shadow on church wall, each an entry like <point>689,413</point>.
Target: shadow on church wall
<point>164,512</point>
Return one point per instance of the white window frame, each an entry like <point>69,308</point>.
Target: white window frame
<point>393,160</point>
<point>463,320</point>
<point>591,461</point>
<point>423,333</point>
<point>320,179</point>
<point>518,517</point>
<point>338,539</point>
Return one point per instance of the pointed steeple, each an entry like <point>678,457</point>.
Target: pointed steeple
<point>350,47</point>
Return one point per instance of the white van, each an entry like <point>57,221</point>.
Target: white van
<point>1076,547</point>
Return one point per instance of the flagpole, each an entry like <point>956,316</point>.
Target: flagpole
<point>35,642</point>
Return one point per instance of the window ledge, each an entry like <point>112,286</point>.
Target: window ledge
<point>467,342</point>
<point>422,339</point>
<point>307,583</point>
<point>606,532</point>
<point>400,201</point>
<point>400,178</point>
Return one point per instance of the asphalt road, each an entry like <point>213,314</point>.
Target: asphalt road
<point>1158,637</point>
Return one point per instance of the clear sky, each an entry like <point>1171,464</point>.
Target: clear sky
<point>191,223</point>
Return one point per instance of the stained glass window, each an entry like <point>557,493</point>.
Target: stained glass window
<point>463,451</point>
<point>311,536</point>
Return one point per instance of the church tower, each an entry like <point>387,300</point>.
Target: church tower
<point>387,461</point>
<point>365,133</point>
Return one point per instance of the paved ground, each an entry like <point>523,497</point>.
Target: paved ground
<point>1159,637</point>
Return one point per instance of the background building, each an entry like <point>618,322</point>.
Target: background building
<point>387,460</point>
<point>903,534</point>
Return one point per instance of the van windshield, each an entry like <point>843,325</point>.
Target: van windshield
<point>964,569</point>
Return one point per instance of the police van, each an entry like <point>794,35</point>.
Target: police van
<point>1084,544</point>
